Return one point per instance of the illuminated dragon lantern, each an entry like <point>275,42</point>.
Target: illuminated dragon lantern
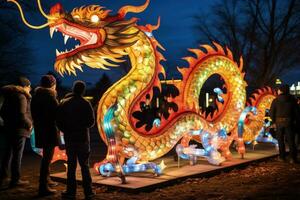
<point>105,41</point>
<point>256,124</point>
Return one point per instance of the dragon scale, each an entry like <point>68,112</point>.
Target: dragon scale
<point>262,100</point>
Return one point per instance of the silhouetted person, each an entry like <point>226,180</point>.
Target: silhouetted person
<point>15,112</point>
<point>284,113</point>
<point>43,109</point>
<point>74,117</point>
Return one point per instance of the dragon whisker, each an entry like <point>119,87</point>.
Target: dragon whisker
<point>23,17</point>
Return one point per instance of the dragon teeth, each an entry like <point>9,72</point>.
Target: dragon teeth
<point>51,31</point>
<point>66,37</point>
<point>57,53</point>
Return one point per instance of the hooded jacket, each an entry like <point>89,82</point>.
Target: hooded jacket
<point>74,117</point>
<point>43,109</point>
<point>15,111</point>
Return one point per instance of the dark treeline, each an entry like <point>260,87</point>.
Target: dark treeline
<point>266,33</point>
<point>16,56</point>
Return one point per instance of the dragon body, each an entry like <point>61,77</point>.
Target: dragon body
<point>106,40</point>
<point>256,125</point>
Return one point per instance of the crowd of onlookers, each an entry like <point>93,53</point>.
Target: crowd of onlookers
<point>21,112</point>
<point>73,116</point>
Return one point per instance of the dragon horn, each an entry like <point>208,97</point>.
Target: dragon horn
<point>154,27</point>
<point>134,9</point>
<point>42,11</point>
<point>23,18</point>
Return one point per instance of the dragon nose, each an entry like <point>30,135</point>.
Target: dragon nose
<point>57,8</point>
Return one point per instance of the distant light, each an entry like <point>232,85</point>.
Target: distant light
<point>210,100</point>
<point>89,98</point>
<point>278,81</point>
<point>206,99</point>
<point>293,88</point>
<point>298,88</point>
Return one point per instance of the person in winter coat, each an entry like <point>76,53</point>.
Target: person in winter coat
<point>43,109</point>
<point>15,113</point>
<point>284,113</point>
<point>75,116</point>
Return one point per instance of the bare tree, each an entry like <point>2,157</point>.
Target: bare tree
<point>15,55</point>
<point>265,32</point>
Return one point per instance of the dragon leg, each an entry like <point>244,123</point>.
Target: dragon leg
<point>210,151</point>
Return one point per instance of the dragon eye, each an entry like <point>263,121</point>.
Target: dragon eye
<point>95,18</point>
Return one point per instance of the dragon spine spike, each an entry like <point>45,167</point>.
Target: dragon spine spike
<point>208,48</point>
<point>162,71</point>
<point>241,64</point>
<point>160,56</point>
<point>229,53</point>
<point>260,94</point>
<point>197,52</point>
<point>182,70</point>
<point>160,46</point>
<point>252,101</point>
<point>191,60</point>
<point>243,74</point>
<point>255,95</point>
<point>219,48</point>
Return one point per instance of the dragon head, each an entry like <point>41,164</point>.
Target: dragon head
<point>102,37</point>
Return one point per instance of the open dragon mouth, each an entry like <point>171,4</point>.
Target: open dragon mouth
<point>88,38</point>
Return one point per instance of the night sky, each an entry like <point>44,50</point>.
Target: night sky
<point>176,33</point>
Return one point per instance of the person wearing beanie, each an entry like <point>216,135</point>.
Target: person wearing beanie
<point>75,116</point>
<point>284,113</point>
<point>48,81</point>
<point>43,109</point>
<point>17,125</point>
